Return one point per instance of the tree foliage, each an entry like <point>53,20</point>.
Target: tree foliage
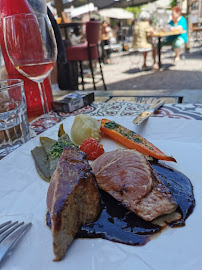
<point>173,3</point>
<point>135,10</point>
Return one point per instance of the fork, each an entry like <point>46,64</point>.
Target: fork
<point>10,233</point>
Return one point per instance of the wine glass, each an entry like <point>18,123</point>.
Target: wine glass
<point>32,49</point>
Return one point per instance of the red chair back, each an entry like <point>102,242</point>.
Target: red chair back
<point>92,32</point>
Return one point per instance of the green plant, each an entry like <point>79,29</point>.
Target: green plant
<point>173,3</point>
<point>135,10</point>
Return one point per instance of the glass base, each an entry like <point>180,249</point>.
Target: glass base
<point>7,149</point>
<point>43,123</point>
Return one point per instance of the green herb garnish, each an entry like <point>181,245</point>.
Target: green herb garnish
<point>57,148</point>
<point>111,125</point>
<point>137,140</point>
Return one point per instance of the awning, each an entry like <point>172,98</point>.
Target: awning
<point>117,13</point>
<point>78,11</point>
<point>101,4</point>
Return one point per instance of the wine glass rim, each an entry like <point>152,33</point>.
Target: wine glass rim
<point>18,83</point>
<point>30,13</point>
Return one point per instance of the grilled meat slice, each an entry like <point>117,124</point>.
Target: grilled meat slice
<point>73,198</point>
<point>130,179</point>
<point>158,202</point>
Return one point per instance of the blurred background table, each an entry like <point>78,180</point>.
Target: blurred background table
<point>66,27</point>
<point>162,34</point>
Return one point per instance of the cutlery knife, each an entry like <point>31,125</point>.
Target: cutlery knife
<point>146,114</point>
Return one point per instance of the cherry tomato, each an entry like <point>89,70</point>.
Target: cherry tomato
<point>92,148</point>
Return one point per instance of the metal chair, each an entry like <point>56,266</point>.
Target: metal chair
<point>137,52</point>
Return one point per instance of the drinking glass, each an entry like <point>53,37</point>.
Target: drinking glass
<point>31,47</point>
<point>14,126</point>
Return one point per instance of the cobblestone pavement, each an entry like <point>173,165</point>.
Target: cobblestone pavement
<point>124,74</point>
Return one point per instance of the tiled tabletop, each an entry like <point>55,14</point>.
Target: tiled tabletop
<point>175,111</point>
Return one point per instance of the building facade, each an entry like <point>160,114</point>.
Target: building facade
<point>196,11</point>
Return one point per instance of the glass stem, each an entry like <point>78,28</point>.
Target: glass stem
<point>44,100</point>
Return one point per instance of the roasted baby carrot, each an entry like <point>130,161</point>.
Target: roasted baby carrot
<point>132,140</point>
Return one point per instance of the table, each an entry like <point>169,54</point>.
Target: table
<point>180,104</point>
<point>66,26</point>
<point>124,108</point>
<point>197,29</point>
<point>176,128</point>
<point>159,35</point>
<point>23,198</point>
<point>187,96</point>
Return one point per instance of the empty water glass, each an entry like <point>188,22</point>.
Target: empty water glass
<point>14,126</point>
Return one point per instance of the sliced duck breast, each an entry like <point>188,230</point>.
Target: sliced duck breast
<point>73,198</point>
<point>129,178</point>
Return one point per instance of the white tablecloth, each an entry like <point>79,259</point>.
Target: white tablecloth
<point>23,198</point>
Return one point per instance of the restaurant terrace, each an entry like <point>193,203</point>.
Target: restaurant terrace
<point>100,134</point>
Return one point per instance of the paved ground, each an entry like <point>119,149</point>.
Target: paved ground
<point>123,72</point>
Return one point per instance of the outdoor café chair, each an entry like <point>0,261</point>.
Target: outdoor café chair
<point>137,52</point>
<point>87,51</point>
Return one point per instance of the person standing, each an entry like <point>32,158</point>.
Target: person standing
<point>106,35</point>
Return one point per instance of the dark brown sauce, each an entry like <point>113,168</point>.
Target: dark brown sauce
<point>116,223</point>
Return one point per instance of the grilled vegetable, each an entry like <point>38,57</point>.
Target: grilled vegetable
<point>92,148</point>
<point>42,163</point>
<point>84,127</point>
<point>47,145</point>
<point>46,157</point>
<point>61,131</point>
<point>132,140</point>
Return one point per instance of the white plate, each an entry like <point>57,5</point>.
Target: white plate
<point>23,198</point>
